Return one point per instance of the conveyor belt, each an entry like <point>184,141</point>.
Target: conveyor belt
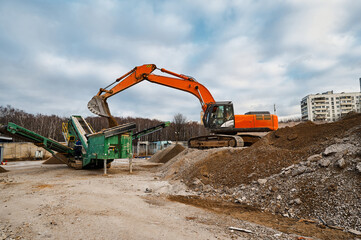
<point>14,130</point>
<point>150,130</point>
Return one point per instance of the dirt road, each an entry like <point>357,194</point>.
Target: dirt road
<point>56,202</point>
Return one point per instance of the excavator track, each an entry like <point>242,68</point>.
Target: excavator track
<point>215,141</point>
<point>249,139</point>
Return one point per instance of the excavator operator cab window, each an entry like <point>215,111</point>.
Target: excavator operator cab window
<point>219,116</point>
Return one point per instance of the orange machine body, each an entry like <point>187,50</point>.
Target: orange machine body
<point>256,121</point>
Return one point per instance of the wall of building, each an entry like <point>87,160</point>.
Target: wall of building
<point>329,106</point>
<point>23,151</point>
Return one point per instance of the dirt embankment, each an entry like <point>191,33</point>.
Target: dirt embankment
<point>305,171</point>
<point>280,149</point>
<point>277,150</point>
<point>167,154</point>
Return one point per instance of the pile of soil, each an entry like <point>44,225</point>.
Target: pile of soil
<point>167,154</point>
<point>306,171</point>
<point>310,137</point>
<point>2,170</point>
<point>282,148</point>
<point>59,159</point>
<point>176,167</point>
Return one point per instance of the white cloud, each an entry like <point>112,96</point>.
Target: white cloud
<point>254,53</point>
<point>77,69</point>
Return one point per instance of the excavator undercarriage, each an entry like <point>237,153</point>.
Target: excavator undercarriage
<point>213,141</point>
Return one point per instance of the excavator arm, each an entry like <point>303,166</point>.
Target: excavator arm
<point>98,104</point>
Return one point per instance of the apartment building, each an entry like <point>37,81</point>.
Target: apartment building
<point>329,106</point>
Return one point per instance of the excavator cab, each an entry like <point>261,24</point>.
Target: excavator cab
<point>219,115</point>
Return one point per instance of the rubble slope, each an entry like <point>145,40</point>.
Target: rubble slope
<point>305,171</point>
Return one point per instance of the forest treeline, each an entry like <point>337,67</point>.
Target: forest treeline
<point>50,126</point>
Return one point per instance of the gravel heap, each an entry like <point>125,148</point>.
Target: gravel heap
<point>167,154</point>
<point>2,170</point>
<point>59,159</point>
<point>307,171</point>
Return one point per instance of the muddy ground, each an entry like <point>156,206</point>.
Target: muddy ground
<point>55,202</point>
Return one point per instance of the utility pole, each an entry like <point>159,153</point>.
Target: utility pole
<point>274,109</point>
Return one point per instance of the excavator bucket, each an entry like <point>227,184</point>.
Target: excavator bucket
<point>99,106</point>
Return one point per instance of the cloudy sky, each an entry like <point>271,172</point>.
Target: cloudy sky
<point>55,55</point>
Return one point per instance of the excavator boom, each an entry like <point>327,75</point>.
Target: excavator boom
<point>98,104</point>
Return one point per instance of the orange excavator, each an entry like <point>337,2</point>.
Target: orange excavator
<point>227,129</point>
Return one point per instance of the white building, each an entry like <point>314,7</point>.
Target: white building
<point>329,106</point>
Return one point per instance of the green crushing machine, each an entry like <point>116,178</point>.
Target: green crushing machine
<point>85,148</point>
<point>95,147</point>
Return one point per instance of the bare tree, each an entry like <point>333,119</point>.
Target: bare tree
<point>179,121</point>
<point>50,125</point>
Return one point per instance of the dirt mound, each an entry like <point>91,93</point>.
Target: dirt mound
<point>231,168</point>
<point>166,154</point>
<point>312,137</point>
<point>305,171</point>
<point>59,159</point>
<point>2,170</point>
<point>325,187</point>
<point>177,166</point>
<point>350,115</point>
<point>282,148</point>
<point>228,167</point>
